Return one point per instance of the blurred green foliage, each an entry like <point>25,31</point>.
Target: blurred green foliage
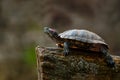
<point>29,56</point>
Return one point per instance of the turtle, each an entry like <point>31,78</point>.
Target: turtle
<point>80,39</point>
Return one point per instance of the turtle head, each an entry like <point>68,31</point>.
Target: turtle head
<point>51,32</point>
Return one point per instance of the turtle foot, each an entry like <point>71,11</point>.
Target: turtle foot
<point>111,64</point>
<point>66,48</point>
<point>65,53</point>
<point>110,61</point>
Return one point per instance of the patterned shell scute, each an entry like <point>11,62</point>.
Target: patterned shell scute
<point>82,35</point>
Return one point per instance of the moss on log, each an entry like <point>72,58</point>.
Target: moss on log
<point>78,65</point>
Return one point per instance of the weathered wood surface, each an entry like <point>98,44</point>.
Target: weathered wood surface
<point>78,65</point>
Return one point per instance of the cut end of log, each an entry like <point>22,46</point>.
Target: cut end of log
<point>78,65</point>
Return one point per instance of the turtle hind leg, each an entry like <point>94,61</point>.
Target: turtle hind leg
<point>66,48</point>
<point>109,60</point>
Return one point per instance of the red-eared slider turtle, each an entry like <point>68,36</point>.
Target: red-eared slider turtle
<point>80,39</point>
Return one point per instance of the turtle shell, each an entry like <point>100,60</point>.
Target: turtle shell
<point>83,36</point>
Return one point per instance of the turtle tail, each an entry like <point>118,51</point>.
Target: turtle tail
<point>109,60</point>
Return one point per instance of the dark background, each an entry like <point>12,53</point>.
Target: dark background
<point>22,22</point>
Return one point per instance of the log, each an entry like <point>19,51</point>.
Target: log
<point>78,65</point>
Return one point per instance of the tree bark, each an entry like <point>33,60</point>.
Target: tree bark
<point>78,65</point>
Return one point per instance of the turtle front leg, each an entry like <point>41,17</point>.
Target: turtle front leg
<point>109,60</point>
<point>66,48</point>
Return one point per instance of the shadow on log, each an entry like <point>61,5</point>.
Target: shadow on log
<point>78,65</point>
